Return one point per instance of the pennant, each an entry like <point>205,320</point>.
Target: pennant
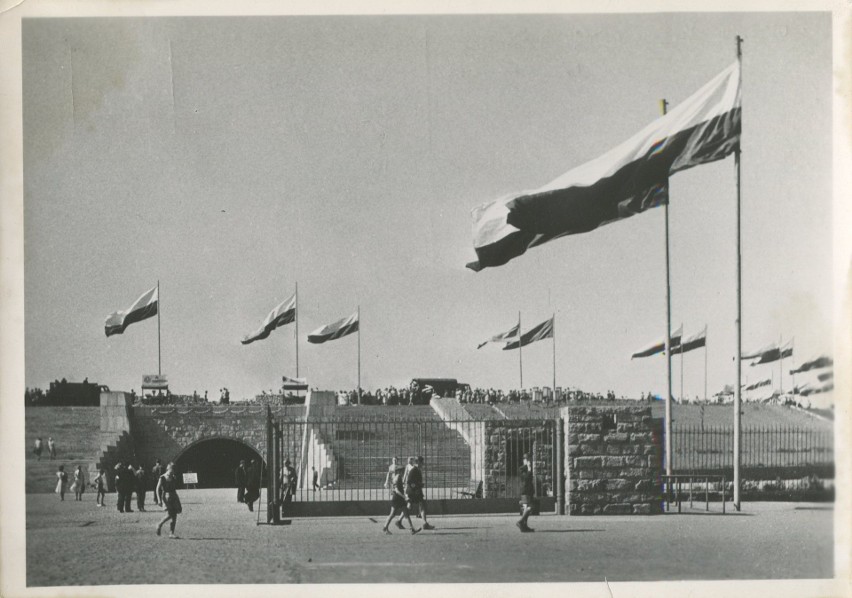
<point>542,331</point>
<point>627,180</point>
<point>509,335</point>
<point>819,362</point>
<point>335,330</point>
<point>284,313</point>
<point>693,342</point>
<point>143,308</point>
<point>660,346</point>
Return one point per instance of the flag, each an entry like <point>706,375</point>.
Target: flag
<point>771,353</point>
<point>660,346</point>
<point>145,307</point>
<point>335,330</point>
<point>294,383</point>
<point>284,313</point>
<point>766,382</point>
<point>693,342</point>
<point>626,180</point>
<point>542,331</point>
<point>819,362</point>
<point>509,335</point>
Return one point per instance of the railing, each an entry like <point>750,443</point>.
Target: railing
<point>677,487</point>
<point>767,452</point>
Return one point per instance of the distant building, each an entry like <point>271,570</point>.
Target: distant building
<point>79,394</point>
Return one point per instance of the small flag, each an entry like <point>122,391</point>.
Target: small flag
<point>335,330</point>
<point>284,313</point>
<point>626,180</point>
<point>693,342</point>
<point>542,331</point>
<point>819,362</point>
<point>145,307</point>
<point>660,346</point>
<point>509,335</point>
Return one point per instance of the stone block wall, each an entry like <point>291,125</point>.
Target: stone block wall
<point>613,461</point>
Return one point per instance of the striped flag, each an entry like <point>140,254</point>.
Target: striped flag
<point>660,346</point>
<point>542,331</point>
<point>819,362</point>
<point>771,353</point>
<point>695,341</point>
<point>509,335</point>
<point>143,308</point>
<point>627,180</point>
<point>284,313</point>
<point>335,330</point>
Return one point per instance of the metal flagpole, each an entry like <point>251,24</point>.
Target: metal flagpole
<point>705,363</point>
<point>553,330</point>
<point>682,338</point>
<point>520,352</point>
<point>296,315</point>
<point>159,351</point>
<point>668,432</point>
<point>739,356</point>
<point>359,354</point>
<point>781,364</point>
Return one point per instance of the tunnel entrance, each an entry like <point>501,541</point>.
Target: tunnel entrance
<point>215,460</point>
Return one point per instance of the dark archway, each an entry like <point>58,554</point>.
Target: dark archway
<point>215,460</point>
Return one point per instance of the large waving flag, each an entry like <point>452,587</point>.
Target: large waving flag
<point>695,341</point>
<point>335,330</point>
<point>627,180</point>
<point>819,362</point>
<point>542,331</point>
<point>283,314</point>
<point>771,353</point>
<point>143,308</point>
<point>660,346</point>
<point>509,335</point>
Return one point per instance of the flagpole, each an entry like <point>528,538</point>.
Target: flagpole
<point>159,351</point>
<point>780,364</point>
<point>668,430</point>
<point>296,314</point>
<point>554,355</point>
<point>520,353</point>
<point>738,390</point>
<point>359,354</point>
<point>682,338</point>
<point>705,363</point>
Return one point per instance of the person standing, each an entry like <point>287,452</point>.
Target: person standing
<point>527,494</point>
<point>289,481</point>
<point>167,489</point>
<point>61,482</point>
<point>398,505</point>
<point>120,474</point>
<point>241,479</point>
<point>414,491</point>
<point>79,483</point>
<point>141,488</point>
<point>315,481</point>
<point>37,449</point>
<point>156,472</point>
<point>51,448</point>
<point>100,487</point>
<point>253,484</point>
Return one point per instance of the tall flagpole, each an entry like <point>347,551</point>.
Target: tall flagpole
<point>682,335</point>
<point>520,354</point>
<point>359,354</point>
<point>705,363</point>
<point>668,432</point>
<point>554,354</point>
<point>739,356</point>
<point>159,351</point>
<point>296,317</point>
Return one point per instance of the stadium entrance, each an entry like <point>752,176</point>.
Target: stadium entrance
<point>215,460</point>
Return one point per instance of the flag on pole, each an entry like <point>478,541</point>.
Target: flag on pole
<point>542,331</point>
<point>294,383</point>
<point>627,180</point>
<point>509,335</point>
<point>145,307</point>
<point>695,341</point>
<point>660,346</point>
<point>819,362</point>
<point>284,313</point>
<point>771,353</point>
<point>760,384</point>
<point>335,330</point>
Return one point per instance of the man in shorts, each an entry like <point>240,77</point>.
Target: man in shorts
<point>414,492</point>
<point>527,494</point>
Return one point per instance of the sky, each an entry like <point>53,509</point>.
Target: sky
<point>230,158</point>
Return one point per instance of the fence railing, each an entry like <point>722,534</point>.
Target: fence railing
<point>767,452</point>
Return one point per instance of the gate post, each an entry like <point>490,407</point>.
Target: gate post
<point>277,464</point>
<point>269,463</point>
<point>560,467</point>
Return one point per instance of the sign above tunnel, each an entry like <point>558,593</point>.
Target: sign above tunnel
<point>155,381</point>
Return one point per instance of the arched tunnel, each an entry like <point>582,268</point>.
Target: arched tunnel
<point>215,460</point>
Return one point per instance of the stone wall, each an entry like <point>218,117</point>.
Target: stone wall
<point>505,442</point>
<point>613,461</point>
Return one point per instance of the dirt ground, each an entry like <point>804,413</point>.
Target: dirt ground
<point>77,543</point>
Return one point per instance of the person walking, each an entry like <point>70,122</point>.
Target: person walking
<point>289,481</point>
<point>129,486</point>
<point>156,472</point>
<point>527,494</point>
<point>79,483</point>
<point>51,448</point>
<point>100,488</point>
<point>252,484</point>
<point>414,492</point>
<point>398,504</point>
<point>120,473</point>
<point>240,480</point>
<point>61,482</point>
<point>315,479</point>
<point>37,449</point>
<point>141,488</point>
<point>167,490</point>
